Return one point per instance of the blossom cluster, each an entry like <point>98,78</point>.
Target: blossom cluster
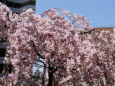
<point>84,58</point>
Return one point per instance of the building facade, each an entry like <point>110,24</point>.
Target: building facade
<point>111,29</point>
<point>17,6</point>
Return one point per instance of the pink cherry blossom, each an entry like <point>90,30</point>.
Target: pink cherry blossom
<point>68,54</point>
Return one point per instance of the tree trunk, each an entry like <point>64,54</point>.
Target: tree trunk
<point>50,73</point>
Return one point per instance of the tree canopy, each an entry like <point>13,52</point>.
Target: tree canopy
<point>69,54</point>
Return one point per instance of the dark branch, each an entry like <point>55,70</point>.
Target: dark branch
<point>85,32</point>
<point>37,51</point>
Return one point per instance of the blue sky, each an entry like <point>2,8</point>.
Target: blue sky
<point>100,13</point>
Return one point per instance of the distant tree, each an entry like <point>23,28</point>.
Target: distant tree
<point>68,54</point>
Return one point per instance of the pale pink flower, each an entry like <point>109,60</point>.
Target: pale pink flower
<point>15,61</point>
<point>67,12</point>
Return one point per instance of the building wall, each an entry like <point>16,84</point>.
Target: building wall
<point>18,6</point>
<point>111,29</point>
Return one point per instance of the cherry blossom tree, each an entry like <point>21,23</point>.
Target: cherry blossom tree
<point>68,53</point>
